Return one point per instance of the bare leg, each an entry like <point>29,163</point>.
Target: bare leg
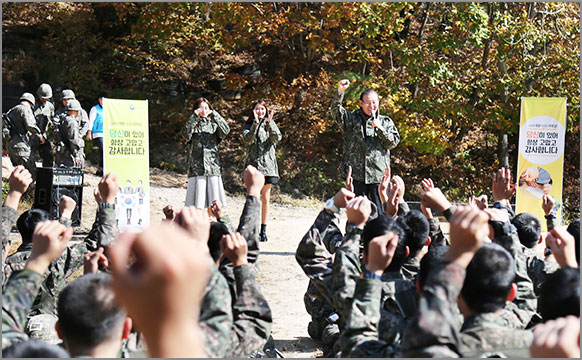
<point>265,200</point>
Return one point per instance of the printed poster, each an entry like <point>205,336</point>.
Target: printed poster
<point>541,155</point>
<point>126,153</point>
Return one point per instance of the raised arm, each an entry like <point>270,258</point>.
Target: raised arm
<point>338,113</point>
<point>18,183</point>
<point>223,129</point>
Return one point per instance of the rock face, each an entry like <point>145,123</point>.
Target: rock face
<point>231,95</point>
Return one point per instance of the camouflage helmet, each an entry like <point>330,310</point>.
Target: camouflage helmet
<point>73,105</point>
<point>28,97</point>
<point>44,91</point>
<point>68,94</point>
<point>42,327</point>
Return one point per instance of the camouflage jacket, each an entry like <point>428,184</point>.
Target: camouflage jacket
<point>216,319</point>
<point>252,315</point>
<point>525,300</point>
<point>411,267</point>
<point>103,233</point>
<point>82,120</point>
<point>205,134</point>
<point>434,332</point>
<point>261,139</point>
<point>71,143</point>
<point>437,238</point>
<point>366,149</point>
<point>44,114</point>
<point>9,217</point>
<point>24,124</point>
<point>17,298</point>
<point>538,269</point>
<point>248,227</point>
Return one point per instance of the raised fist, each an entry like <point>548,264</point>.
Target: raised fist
<point>342,86</point>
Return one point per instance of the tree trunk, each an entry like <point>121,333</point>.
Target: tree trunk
<point>502,145</point>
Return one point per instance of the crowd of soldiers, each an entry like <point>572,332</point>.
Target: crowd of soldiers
<point>33,130</point>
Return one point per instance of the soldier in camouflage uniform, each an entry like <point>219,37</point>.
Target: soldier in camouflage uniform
<point>70,148</point>
<point>435,331</point>
<point>18,183</point>
<point>50,239</point>
<point>204,130</point>
<point>103,233</point>
<point>82,118</point>
<point>18,139</point>
<point>44,114</point>
<point>261,134</point>
<point>368,140</point>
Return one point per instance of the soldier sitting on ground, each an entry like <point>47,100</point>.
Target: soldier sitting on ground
<point>91,323</point>
<point>103,233</point>
<point>480,277</point>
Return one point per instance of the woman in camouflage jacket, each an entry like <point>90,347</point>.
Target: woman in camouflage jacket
<point>261,134</point>
<point>204,131</point>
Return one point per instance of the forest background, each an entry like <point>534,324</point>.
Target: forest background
<point>450,75</point>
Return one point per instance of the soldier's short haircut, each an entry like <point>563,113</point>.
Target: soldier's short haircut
<point>102,94</point>
<point>381,226</point>
<point>88,311</point>
<point>217,229</point>
<point>529,229</point>
<point>560,294</point>
<point>367,92</point>
<point>34,348</point>
<point>430,262</point>
<point>488,278</point>
<point>574,230</point>
<point>28,220</point>
<point>417,229</point>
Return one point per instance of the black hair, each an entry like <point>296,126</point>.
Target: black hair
<point>28,220</point>
<point>488,278</point>
<point>430,261</point>
<point>217,229</point>
<point>34,348</point>
<point>417,229</point>
<point>574,230</point>
<point>88,311</point>
<point>381,226</point>
<point>529,229</point>
<point>560,294</point>
<point>102,94</point>
<point>368,92</point>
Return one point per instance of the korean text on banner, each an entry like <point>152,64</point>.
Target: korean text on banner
<point>126,153</point>
<point>541,155</point>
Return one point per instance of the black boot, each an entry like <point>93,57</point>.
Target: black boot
<point>263,233</point>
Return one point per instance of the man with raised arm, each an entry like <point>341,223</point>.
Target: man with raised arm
<point>368,138</point>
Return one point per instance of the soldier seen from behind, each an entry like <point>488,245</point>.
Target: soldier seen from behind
<point>70,147</point>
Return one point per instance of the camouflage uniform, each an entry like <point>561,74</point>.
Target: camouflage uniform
<point>216,319</point>
<point>44,114</point>
<point>261,139</point>
<point>411,267</point>
<point>205,134</point>
<point>69,151</point>
<point>252,315</point>
<point>17,298</point>
<point>18,144</point>
<point>103,233</point>
<point>9,217</point>
<point>435,331</point>
<point>366,149</point>
<point>82,120</point>
<point>538,269</point>
<point>251,312</point>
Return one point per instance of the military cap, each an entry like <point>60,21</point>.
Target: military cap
<point>73,105</point>
<point>45,91</point>
<point>28,97</point>
<point>68,94</point>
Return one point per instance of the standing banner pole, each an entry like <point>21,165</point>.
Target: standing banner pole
<point>540,164</point>
<point>126,153</point>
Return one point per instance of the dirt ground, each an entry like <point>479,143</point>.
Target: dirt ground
<point>281,279</point>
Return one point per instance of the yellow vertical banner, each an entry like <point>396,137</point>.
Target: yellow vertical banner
<point>126,153</point>
<point>540,164</point>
